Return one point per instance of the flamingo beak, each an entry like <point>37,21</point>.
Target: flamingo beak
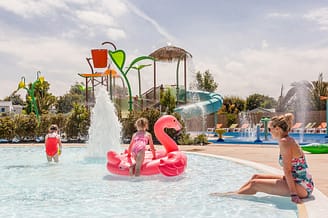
<point>178,129</point>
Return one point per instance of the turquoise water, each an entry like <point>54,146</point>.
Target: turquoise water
<point>82,187</point>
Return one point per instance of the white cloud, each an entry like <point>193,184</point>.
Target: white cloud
<point>264,44</point>
<point>32,8</point>
<point>76,26</point>
<point>153,22</point>
<point>320,16</point>
<point>264,71</point>
<point>95,18</point>
<point>115,33</point>
<point>278,15</point>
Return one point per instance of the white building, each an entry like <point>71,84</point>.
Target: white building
<point>6,107</point>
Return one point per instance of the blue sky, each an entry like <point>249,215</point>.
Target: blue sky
<point>248,46</point>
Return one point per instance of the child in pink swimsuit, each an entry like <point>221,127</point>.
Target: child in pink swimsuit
<point>138,144</point>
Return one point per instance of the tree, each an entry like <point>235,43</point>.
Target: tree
<point>78,122</point>
<point>205,82</point>
<point>78,89</point>
<point>168,101</point>
<point>232,105</point>
<point>25,126</point>
<point>44,99</point>
<point>7,128</point>
<point>76,95</point>
<point>15,99</point>
<point>319,88</point>
<point>257,100</point>
<point>65,103</point>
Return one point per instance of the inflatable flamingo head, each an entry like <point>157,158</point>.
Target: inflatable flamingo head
<point>168,121</point>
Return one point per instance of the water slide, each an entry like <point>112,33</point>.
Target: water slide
<point>200,103</point>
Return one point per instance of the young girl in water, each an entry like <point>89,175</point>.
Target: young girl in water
<point>138,145</point>
<point>53,143</point>
<point>296,181</point>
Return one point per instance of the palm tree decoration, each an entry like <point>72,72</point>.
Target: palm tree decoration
<point>118,57</point>
<point>138,68</point>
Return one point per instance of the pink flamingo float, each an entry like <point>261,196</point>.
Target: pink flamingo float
<point>169,162</point>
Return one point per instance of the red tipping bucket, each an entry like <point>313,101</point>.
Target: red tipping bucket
<point>99,58</point>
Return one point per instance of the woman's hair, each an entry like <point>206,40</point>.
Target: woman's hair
<point>53,128</point>
<point>141,123</point>
<point>285,121</point>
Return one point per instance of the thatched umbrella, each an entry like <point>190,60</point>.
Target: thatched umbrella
<point>169,54</point>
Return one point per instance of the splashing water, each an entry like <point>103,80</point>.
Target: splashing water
<point>105,129</point>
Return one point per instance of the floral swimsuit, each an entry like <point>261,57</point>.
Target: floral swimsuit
<point>300,173</point>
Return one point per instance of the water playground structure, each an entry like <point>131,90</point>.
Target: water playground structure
<point>197,108</point>
<point>103,61</point>
<point>169,162</point>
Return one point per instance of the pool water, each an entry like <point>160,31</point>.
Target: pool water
<point>82,187</point>
<point>249,138</point>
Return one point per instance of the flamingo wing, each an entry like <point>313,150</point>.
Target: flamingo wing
<point>174,164</point>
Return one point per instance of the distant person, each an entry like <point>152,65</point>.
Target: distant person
<point>53,143</point>
<point>296,181</point>
<point>138,144</point>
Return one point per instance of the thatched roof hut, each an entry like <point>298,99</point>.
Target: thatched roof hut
<point>170,53</point>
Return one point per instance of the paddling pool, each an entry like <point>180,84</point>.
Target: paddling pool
<point>82,187</point>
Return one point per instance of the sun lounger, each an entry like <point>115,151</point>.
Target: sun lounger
<point>232,127</point>
<point>302,129</point>
<point>322,128</point>
<point>311,128</point>
<point>218,126</point>
<point>211,131</point>
<point>296,127</point>
<point>243,128</point>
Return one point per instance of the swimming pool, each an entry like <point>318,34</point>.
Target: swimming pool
<point>82,187</point>
<point>249,138</point>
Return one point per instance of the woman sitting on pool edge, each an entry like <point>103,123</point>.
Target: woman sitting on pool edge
<point>296,181</point>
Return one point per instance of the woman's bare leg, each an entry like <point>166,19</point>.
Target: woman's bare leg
<point>262,176</point>
<point>269,186</point>
<point>246,186</point>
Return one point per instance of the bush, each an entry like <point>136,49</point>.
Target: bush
<point>201,140</point>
